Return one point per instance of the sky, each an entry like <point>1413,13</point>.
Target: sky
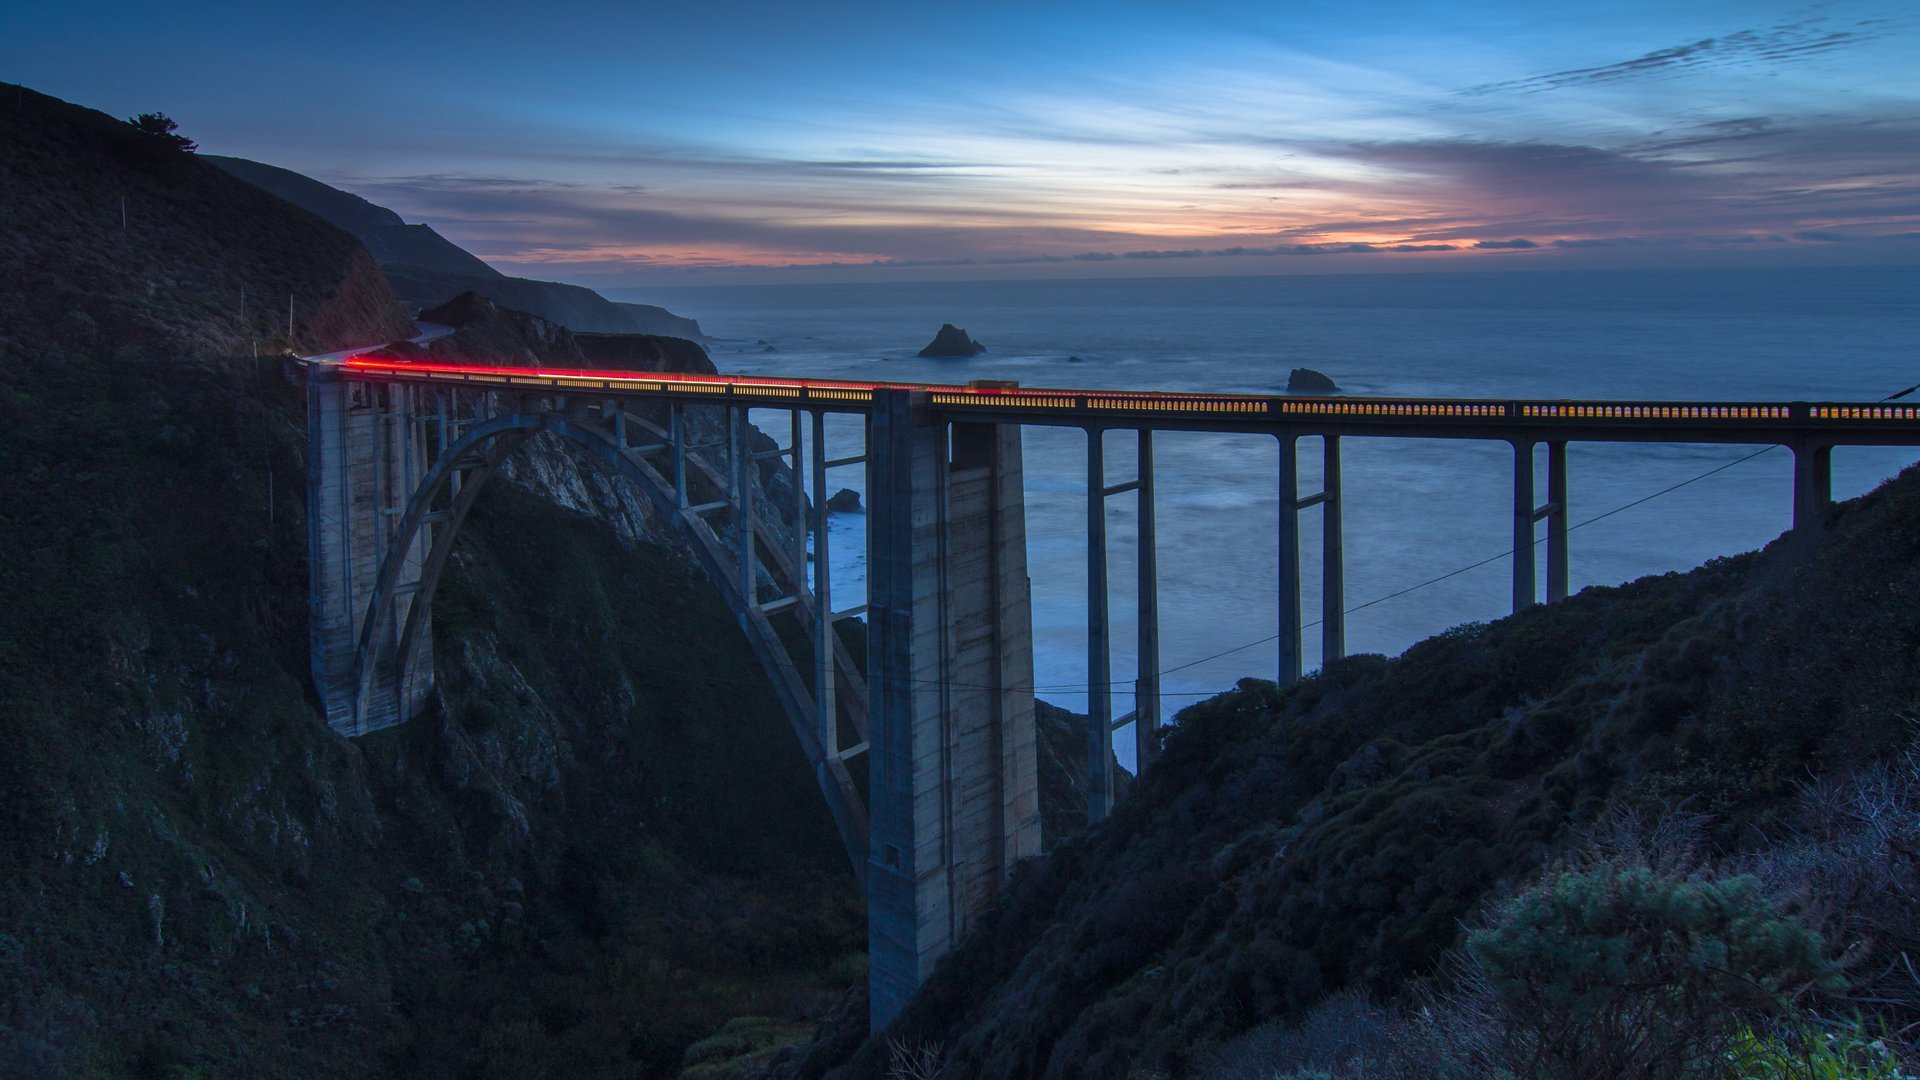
<point>624,144</point>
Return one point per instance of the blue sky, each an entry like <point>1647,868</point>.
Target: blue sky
<point>627,145</point>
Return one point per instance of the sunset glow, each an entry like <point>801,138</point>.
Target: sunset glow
<point>612,146</point>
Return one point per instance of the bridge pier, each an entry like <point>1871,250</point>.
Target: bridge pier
<point>1524,581</point>
<point>1099,638</point>
<point>1145,717</point>
<point>1812,483</point>
<point>1333,574</point>
<point>1146,687</point>
<point>953,784</point>
<point>1556,522</point>
<point>362,467</point>
<point>1333,566</point>
<point>1526,515</point>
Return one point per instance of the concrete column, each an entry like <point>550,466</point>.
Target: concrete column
<point>1523,577</point>
<point>1333,560</point>
<point>1557,574</point>
<point>1099,641</point>
<point>1146,694</point>
<point>407,466</point>
<point>677,430</point>
<point>798,475</point>
<point>1812,484</point>
<point>826,708</point>
<point>740,447</point>
<point>362,468</point>
<point>1288,558</point>
<point>333,625</point>
<point>953,790</point>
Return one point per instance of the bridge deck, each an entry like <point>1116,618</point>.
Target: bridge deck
<point>1831,422</point>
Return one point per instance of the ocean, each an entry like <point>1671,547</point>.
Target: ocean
<point>1415,510</point>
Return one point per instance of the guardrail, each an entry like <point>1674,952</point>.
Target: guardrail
<point>1014,400</point>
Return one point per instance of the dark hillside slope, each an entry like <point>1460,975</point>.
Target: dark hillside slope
<point>599,847</point>
<point>1290,844</point>
<point>390,239</point>
<point>426,269</point>
<point>194,240</point>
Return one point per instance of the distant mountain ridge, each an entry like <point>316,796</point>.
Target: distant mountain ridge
<point>427,270</point>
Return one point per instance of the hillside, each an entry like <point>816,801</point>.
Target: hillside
<point>1298,853</point>
<point>427,270</point>
<point>385,235</point>
<point>110,238</point>
<point>558,871</point>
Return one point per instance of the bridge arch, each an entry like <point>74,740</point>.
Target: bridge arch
<point>392,641</point>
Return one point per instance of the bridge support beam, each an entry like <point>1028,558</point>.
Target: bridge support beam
<point>825,702</point>
<point>1333,559</point>
<point>1146,687</point>
<point>953,786</point>
<point>1526,515</point>
<point>1099,637</point>
<point>1556,522</point>
<point>1524,581</point>
<point>1288,560</point>
<point>1812,484</point>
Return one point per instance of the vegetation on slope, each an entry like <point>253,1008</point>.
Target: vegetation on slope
<point>1335,837</point>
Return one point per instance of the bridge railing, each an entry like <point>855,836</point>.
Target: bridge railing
<point>1097,405</point>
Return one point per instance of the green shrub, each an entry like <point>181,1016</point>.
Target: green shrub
<point>1846,1053</point>
<point>1624,972</point>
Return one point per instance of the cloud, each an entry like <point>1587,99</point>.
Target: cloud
<point>1702,180</point>
<point>1786,43</point>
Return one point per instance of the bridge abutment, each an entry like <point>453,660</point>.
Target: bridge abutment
<point>954,794</point>
<point>362,469</point>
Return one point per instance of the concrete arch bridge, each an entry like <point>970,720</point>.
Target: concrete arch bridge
<point>398,451</point>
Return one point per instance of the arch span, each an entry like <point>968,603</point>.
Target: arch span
<point>392,657</point>
<point>396,460</point>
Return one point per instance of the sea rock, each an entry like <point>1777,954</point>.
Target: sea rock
<point>1310,381</point>
<point>844,501</point>
<point>952,341</point>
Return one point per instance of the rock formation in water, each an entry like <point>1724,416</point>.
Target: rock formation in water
<point>844,501</point>
<point>1307,380</point>
<point>952,341</point>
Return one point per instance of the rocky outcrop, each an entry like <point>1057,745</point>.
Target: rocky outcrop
<point>572,306</point>
<point>844,501</point>
<point>952,341</point>
<point>645,352</point>
<point>1061,756</point>
<point>1308,381</point>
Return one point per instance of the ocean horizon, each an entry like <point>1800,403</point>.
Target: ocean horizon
<point>1415,510</point>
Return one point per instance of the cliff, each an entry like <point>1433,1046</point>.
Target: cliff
<point>425,269</point>
<point>598,848</point>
